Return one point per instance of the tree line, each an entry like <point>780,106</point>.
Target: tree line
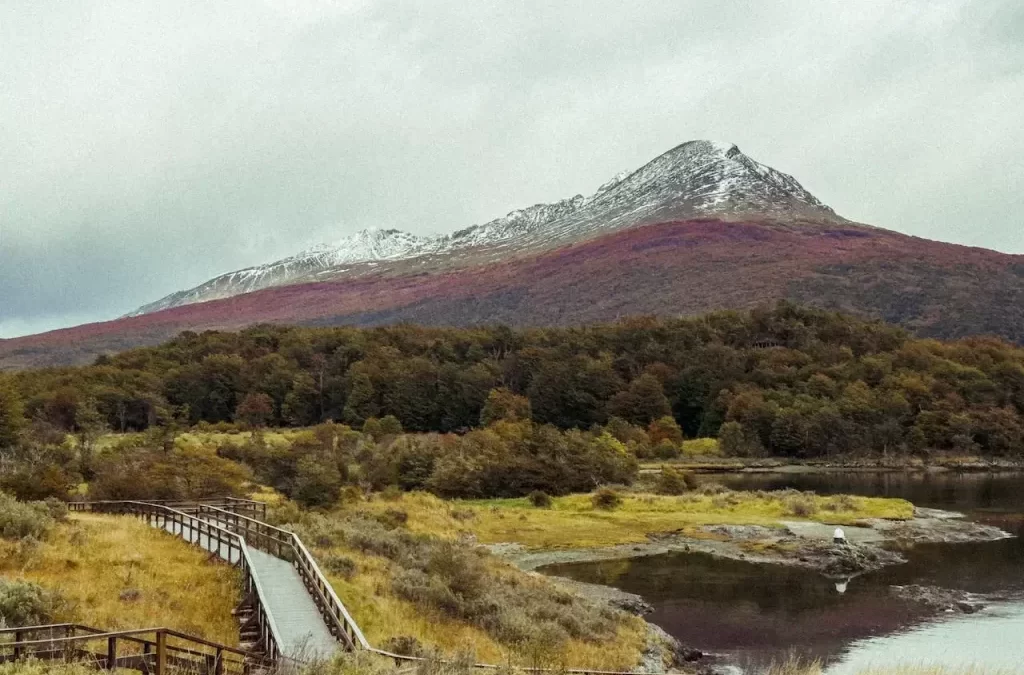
<point>784,380</point>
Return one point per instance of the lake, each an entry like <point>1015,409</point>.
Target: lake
<point>750,615</point>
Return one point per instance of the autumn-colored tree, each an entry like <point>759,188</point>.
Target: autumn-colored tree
<point>642,402</point>
<point>503,404</point>
<point>255,410</point>
<point>665,429</point>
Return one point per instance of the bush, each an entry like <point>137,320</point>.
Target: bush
<point>840,503</point>
<point>341,565</point>
<point>540,499</point>
<point>712,489</point>
<point>606,498</point>
<point>701,446</point>
<point>57,509</point>
<point>27,604</point>
<point>666,449</point>
<point>406,645</point>
<point>19,520</point>
<point>673,481</point>
<point>801,507</point>
<point>393,518</point>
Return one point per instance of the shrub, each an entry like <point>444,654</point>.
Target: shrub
<point>19,520</point>
<point>57,509</point>
<point>391,493</point>
<point>801,507</point>
<point>393,518</point>
<point>284,513</point>
<point>317,482</point>
<point>840,503</point>
<point>27,604</point>
<point>666,449</point>
<point>406,645</point>
<point>606,498</point>
<point>341,565</point>
<point>711,489</point>
<point>701,446</point>
<point>540,499</point>
<point>673,481</point>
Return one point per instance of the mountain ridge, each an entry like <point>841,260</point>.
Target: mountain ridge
<point>693,179</point>
<point>700,228</point>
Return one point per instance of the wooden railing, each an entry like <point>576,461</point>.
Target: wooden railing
<point>288,546</point>
<point>159,651</point>
<point>247,507</point>
<point>220,541</point>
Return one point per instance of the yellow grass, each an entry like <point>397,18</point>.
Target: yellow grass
<point>48,668</point>
<point>573,522</point>
<point>701,446</point>
<point>382,615</point>
<point>93,559</point>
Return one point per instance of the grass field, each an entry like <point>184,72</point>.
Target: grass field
<point>118,573</point>
<point>383,615</point>
<point>573,521</point>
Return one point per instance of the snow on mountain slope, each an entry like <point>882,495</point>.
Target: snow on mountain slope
<point>699,178</point>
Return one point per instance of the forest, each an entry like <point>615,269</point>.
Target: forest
<point>780,381</point>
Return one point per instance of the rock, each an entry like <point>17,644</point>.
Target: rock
<point>943,599</point>
<point>632,604</point>
<point>689,655</point>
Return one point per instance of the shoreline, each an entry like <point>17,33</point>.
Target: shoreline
<point>800,544</point>
<point>723,465</point>
<point>804,544</point>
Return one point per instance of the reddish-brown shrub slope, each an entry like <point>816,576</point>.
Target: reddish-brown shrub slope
<point>672,268</point>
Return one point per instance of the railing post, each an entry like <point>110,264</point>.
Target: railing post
<point>218,668</point>
<point>17,648</point>
<point>111,653</point>
<point>161,653</point>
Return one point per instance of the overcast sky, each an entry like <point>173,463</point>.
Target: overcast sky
<point>146,146</point>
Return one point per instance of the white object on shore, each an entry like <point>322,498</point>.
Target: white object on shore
<point>839,537</point>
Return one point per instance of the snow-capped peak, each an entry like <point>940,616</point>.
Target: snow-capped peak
<point>694,179</point>
<point>369,244</point>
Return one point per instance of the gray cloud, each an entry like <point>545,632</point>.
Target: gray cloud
<point>150,145</point>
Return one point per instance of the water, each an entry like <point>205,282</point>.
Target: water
<point>754,614</point>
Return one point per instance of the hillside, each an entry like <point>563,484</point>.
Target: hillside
<point>669,269</point>
<point>699,228</point>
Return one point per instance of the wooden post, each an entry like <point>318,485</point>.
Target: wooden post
<point>17,649</point>
<point>161,653</point>
<point>218,668</point>
<point>111,653</point>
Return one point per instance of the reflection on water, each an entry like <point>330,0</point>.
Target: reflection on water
<point>993,639</point>
<point>759,613</point>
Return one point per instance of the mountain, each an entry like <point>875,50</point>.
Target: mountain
<point>695,179</point>
<point>701,227</point>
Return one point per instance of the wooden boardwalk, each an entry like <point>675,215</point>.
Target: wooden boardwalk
<point>304,635</point>
<point>302,629</point>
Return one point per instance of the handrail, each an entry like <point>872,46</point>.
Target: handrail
<point>157,655</point>
<point>269,633</point>
<point>332,609</point>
